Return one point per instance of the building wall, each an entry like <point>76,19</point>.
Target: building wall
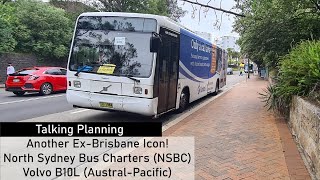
<point>204,35</point>
<point>228,42</point>
<point>20,61</point>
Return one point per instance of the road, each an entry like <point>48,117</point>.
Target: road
<point>32,107</point>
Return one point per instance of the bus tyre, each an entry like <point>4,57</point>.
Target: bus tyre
<point>46,89</point>
<point>184,101</point>
<point>216,90</point>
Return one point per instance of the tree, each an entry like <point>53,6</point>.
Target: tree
<point>233,56</point>
<point>73,8</point>
<point>271,28</point>
<point>213,7</point>
<point>7,42</point>
<point>46,29</point>
<point>160,7</point>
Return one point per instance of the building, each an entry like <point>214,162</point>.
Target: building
<point>226,42</point>
<point>204,35</point>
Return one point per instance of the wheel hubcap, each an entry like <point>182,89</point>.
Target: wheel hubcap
<point>46,89</point>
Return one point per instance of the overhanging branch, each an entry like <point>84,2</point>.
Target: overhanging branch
<point>215,8</point>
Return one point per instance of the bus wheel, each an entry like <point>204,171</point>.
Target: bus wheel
<point>216,90</point>
<point>184,101</point>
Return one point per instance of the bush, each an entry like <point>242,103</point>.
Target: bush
<point>7,42</point>
<point>299,74</point>
<point>50,29</point>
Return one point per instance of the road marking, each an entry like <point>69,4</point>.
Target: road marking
<point>80,111</point>
<point>32,99</point>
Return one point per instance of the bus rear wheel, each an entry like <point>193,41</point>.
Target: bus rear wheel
<point>184,101</point>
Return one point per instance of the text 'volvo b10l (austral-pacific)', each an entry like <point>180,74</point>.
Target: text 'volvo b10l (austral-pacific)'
<point>93,151</point>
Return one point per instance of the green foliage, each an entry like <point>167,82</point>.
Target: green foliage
<point>299,74</point>
<point>7,42</point>
<point>272,27</point>
<point>159,7</point>
<point>73,9</point>
<point>44,29</point>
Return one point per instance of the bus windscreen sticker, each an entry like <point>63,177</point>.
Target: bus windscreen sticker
<point>120,41</point>
<point>106,69</point>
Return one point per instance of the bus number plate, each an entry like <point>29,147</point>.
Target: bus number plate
<point>106,105</point>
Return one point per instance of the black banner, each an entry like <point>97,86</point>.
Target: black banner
<point>70,129</point>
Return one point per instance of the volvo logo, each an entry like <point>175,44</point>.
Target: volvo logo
<point>105,88</point>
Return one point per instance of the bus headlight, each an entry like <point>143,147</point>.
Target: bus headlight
<point>137,90</point>
<point>77,84</point>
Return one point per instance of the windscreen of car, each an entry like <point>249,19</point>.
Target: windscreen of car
<point>119,42</point>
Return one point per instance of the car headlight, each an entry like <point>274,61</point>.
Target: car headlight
<point>137,90</point>
<point>77,84</point>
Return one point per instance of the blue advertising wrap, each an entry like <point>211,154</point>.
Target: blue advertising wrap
<point>195,57</point>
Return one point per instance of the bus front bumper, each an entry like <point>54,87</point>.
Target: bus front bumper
<point>144,106</point>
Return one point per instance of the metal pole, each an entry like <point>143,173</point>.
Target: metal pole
<point>248,68</point>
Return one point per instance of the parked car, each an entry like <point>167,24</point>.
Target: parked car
<point>44,80</point>
<point>229,71</point>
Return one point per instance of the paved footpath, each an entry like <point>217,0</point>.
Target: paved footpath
<point>237,138</point>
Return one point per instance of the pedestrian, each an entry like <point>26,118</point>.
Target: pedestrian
<point>10,69</point>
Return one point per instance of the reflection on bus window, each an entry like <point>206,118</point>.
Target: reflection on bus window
<point>122,42</point>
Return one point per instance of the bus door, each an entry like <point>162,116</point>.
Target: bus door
<point>168,59</point>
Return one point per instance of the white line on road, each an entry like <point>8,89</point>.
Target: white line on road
<point>31,99</point>
<point>80,111</point>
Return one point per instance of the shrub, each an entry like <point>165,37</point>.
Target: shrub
<point>299,74</point>
<point>47,29</point>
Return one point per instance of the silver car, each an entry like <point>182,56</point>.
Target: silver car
<point>229,71</point>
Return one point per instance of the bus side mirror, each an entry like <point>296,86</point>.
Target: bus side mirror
<point>155,44</point>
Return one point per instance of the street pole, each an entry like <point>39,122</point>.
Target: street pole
<point>248,68</point>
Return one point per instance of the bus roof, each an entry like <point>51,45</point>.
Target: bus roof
<point>162,20</point>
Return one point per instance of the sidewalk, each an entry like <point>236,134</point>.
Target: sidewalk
<point>237,138</point>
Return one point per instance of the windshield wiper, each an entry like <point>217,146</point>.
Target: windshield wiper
<point>132,78</point>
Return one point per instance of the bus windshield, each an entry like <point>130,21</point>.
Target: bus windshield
<point>118,42</point>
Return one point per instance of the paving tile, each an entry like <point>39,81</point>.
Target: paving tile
<point>237,138</point>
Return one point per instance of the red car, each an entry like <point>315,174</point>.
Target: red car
<point>37,79</point>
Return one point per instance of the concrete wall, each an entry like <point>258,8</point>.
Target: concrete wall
<point>20,61</point>
<point>305,126</point>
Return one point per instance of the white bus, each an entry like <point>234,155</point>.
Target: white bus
<point>140,63</point>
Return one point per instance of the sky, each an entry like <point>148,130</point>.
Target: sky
<point>206,24</point>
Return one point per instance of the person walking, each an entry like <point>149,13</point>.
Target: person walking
<point>10,69</point>
<point>240,72</point>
